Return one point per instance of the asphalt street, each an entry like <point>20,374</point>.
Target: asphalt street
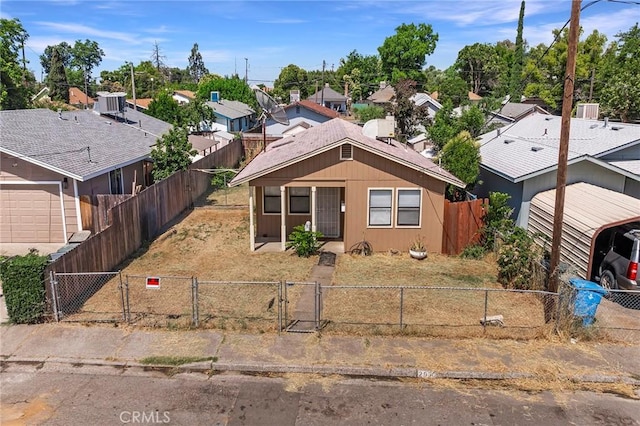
<point>65,394</point>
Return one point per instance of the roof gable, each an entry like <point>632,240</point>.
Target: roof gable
<point>312,106</point>
<point>329,135</point>
<point>328,95</point>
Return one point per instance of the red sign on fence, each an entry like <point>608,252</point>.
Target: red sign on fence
<point>153,282</point>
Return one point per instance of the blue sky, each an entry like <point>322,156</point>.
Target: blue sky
<point>273,34</point>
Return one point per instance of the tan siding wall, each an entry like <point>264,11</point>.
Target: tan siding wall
<point>365,171</point>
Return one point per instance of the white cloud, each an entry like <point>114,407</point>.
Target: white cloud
<point>85,31</point>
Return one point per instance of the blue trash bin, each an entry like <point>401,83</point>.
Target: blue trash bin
<point>587,299</point>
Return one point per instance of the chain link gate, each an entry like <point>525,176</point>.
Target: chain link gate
<point>307,302</point>
<point>88,297</point>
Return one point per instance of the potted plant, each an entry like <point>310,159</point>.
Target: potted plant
<point>418,250</point>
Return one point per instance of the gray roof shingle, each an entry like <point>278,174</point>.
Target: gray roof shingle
<point>515,153</point>
<point>81,145</point>
<point>328,135</point>
<point>231,109</point>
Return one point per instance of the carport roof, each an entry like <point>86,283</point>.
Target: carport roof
<point>588,209</point>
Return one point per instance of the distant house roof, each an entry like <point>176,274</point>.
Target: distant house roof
<point>383,95</point>
<point>516,110</point>
<point>329,135</point>
<point>230,109</point>
<point>328,95</point>
<point>529,147</point>
<point>141,102</point>
<point>470,95</point>
<point>79,144</point>
<point>77,97</point>
<point>186,93</point>
<point>310,105</point>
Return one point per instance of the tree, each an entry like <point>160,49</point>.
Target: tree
<point>64,55</point>
<point>291,77</point>
<point>165,108</point>
<point>195,113</point>
<point>14,93</point>
<point>461,156</point>
<point>515,84</point>
<point>453,88</point>
<point>196,67</point>
<point>405,111</point>
<point>361,72</point>
<point>620,96</point>
<point>157,59</point>
<point>444,126</point>
<point>403,54</point>
<point>172,153</point>
<point>57,77</point>
<point>230,88</point>
<point>367,113</point>
<point>479,64</point>
<point>86,56</point>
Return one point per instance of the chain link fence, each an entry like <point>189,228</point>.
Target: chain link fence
<point>272,306</point>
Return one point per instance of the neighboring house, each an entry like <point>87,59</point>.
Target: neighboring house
<point>183,96</point>
<point>518,111</point>
<point>302,115</point>
<point>142,104</point>
<point>523,159</point>
<point>383,97</point>
<point>330,99</point>
<point>422,99</point>
<point>348,186</point>
<point>471,97</point>
<point>234,115</point>
<point>79,99</point>
<point>50,159</point>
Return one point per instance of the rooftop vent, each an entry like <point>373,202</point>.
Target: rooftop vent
<point>617,127</point>
<point>593,126</point>
<point>536,148</point>
<point>548,118</point>
<point>215,97</point>
<point>508,141</point>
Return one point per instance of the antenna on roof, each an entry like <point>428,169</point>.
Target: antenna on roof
<point>270,109</point>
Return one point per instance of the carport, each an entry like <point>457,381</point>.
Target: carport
<point>589,211</point>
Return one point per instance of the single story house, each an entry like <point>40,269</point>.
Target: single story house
<point>236,116</point>
<point>302,115</point>
<point>183,96</point>
<point>330,98</point>
<point>523,159</point>
<point>349,186</point>
<point>383,97</point>
<point>49,159</point>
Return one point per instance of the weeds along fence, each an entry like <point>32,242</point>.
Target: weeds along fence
<point>276,306</point>
<point>140,218</point>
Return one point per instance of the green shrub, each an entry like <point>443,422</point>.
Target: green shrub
<point>473,251</point>
<point>23,287</point>
<point>305,243</point>
<point>516,260</point>
<point>221,178</point>
<point>497,221</point>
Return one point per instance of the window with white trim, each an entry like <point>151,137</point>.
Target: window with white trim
<point>299,200</point>
<point>380,207</point>
<point>271,200</point>
<point>346,151</point>
<point>408,210</point>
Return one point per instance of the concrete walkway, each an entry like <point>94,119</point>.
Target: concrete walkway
<point>388,357</point>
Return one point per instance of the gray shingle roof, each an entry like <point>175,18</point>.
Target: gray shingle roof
<point>331,134</point>
<point>81,145</point>
<point>231,109</point>
<point>515,109</point>
<point>330,95</point>
<point>511,154</point>
<point>142,121</point>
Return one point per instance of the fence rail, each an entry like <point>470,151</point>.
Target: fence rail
<point>276,306</point>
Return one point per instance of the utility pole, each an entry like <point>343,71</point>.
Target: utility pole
<point>322,88</point>
<point>246,70</point>
<point>133,87</point>
<point>567,104</point>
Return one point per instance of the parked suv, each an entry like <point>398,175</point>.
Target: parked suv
<point>619,269</point>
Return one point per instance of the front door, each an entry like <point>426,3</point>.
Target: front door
<point>328,212</point>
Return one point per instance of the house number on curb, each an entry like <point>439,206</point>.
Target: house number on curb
<point>426,374</point>
<point>153,282</point>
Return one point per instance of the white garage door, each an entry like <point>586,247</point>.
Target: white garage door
<point>30,214</point>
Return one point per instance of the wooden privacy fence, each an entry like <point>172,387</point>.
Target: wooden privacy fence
<point>462,223</point>
<point>141,217</point>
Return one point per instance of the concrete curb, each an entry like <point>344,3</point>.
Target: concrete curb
<point>210,367</point>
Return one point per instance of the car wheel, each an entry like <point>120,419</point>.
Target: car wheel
<point>607,281</point>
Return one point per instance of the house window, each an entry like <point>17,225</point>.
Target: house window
<point>299,200</point>
<point>346,151</point>
<point>115,181</point>
<point>408,213</point>
<point>232,124</point>
<point>380,207</point>
<point>271,200</point>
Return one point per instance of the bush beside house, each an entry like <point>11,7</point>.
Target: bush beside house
<point>23,287</point>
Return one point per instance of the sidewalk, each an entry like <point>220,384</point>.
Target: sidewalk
<point>383,357</point>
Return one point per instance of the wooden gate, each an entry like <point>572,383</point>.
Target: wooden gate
<point>462,223</point>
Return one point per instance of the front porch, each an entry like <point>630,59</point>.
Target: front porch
<point>263,245</point>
